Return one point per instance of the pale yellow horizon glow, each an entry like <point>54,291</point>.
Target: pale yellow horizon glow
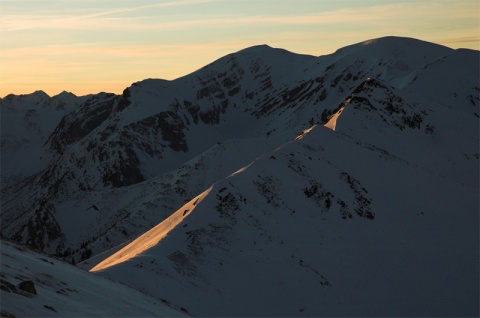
<point>85,50</point>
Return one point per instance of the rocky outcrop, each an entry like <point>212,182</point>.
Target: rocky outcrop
<point>25,288</point>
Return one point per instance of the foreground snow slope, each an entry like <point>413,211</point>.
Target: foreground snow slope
<point>65,291</point>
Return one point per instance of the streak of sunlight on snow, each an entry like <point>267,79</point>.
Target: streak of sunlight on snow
<point>303,133</point>
<point>153,236</point>
<point>332,123</point>
<point>241,170</point>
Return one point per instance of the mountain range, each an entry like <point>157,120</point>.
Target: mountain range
<point>266,183</point>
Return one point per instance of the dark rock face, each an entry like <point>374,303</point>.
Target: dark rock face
<point>124,171</point>
<point>42,229</point>
<point>81,122</point>
<point>389,106</point>
<point>169,124</point>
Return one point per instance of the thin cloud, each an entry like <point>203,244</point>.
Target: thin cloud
<point>63,21</point>
<point>419,12</point>
<point>464,39</point>
<point>151,6</point>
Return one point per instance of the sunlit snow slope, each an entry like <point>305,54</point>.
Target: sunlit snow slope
<point>152,237</point>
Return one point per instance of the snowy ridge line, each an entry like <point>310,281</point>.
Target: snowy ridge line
<point>151,237</point>
<point>157,233</point>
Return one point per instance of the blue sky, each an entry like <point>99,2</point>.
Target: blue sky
<point>90,46</point>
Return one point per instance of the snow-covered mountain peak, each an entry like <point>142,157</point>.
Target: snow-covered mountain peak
<point>398,46</point>
<point>396,42</point>
<point>64,95</point>
<point>19,102</point>
<point>266,51</point>
<point>390,58</point>
<point>291,205</point>
<point>254,49</point>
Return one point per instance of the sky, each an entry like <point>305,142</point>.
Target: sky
<point>89,46</point>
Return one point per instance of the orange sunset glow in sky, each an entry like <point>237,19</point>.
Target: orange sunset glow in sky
<point>90,46</point>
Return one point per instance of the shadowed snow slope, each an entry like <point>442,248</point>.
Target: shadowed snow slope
<point>65,291</point>
<point>311,229</point>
